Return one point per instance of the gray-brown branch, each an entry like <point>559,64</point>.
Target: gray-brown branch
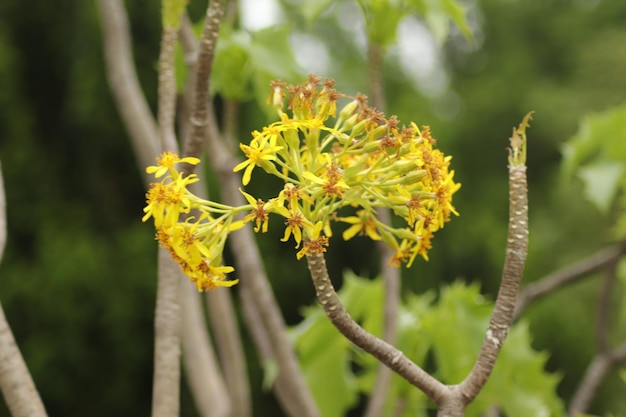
<point>16,383</point>
<point>199,118</point>
<point>502,315</point>
<point>124,83</point>
<point>567,276</point>
<point>381,350</point>
<point>390,274</point>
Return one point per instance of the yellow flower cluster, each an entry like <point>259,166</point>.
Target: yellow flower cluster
<point>362,163</point>
<point>196,243</point>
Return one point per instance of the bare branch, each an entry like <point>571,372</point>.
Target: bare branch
<point>292,391</point>
<point>566,276</point>
<point>205,381</point>
<point>230,349</point>
<point>604,307</point>
<point>516,251</point>
<point>199,118</point>
<point>378,348</point>
<point>390,274</point>
<point>167,89</point>
<point>123,82</point>
<point>167,324</point>
<point>374,66</point>
<point>16,383</point>
<point>606,358</point>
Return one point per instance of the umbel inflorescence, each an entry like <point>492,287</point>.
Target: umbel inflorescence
<point>362,162</point>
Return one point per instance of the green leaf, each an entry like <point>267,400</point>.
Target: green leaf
<point>519,385</point>
<point>312,9</point>
<point>439,13</point>
<point>382,18</point>
<point>325,355</point>
<point>597,155</point>
<point>232,68</point>
<point>172,13</point>
<point>600,136</point>
<point>602,181</point>
<point>456,326</point>
<point>272,58</point>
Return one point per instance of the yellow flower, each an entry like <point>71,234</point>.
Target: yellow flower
<point>314,243</point>
<point>167,161</point>
<point>362,223</point>
<point>167,200</point>
<point>332,181</point>
<point>259,212</point>
<point>260,151</point>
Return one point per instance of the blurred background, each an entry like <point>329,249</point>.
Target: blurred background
<point>77,281</point>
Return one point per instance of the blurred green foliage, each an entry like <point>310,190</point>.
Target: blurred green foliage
<point>78,278</point>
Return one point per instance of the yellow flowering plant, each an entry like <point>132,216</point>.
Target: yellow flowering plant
<point>362,161</point>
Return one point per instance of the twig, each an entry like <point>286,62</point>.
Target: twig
<point>168,319</point>
<point>221,310</point>
<point>199,117</point>
<point>16,383</point>
<point>381,350</point>
<point>390,274</point>
<point>374,67</point>
<point>605,358</point>
<point>516,251</point>
<point>290,389</point>
<point>205,381</point>
<point>123,82</point>
<point>230,349</point>
<point>167,89</point>
<point>566,276</point>
<point>167,324</point>
<point>248,262</point>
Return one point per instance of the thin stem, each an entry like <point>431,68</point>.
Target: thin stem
<point>205,381</point>
<point>566,276</point>
<point>167,89</point>
<point>606,358</point>
<point>16,383</point>
<point>374,66</point>
<point>168,319</point>
<point>124,84</point>
<point>292,391</point>
<point>167,325</point>
<point>221,311</point>
<point>199,117</point>
<point>604,307</point>
<point>381,350</point>
<point>230,349</point>
<point>390,274</point>
<point>516,251</point>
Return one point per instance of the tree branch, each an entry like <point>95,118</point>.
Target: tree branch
<point>167,89</point>
<point>167,325</point>
<point>606,358</point>
<point>381,350</point>
<point>390,274</point>
<point>566,276</point>
<point>232,357</point>
<point>123,82</point>
<point>516,251</point>
<point>199,118</point>
<point>16,383</point>
<point>205,381</point>
<point>219,303</point>
<point>293,393</point>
